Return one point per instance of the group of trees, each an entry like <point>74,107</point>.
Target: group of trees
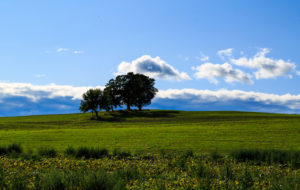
<point>130,90</point>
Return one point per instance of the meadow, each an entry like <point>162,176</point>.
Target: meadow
<point>151,150</point>
<point>155,130</point>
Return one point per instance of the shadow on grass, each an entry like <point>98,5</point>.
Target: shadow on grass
<point>122,115</point>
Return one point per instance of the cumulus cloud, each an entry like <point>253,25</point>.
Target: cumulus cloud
<point>266,67</point>
<point>211,72</point>
<point>60,50</point>
<point>225,53</point>
<point>153,67</point>
<point>202,57</point>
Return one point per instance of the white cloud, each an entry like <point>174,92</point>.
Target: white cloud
<point>78,52</point>
<point>266,67</point>
<point>153,67</point>
<point>225,53</point>
<point>202,57</point>
<point>211,72</point>
<point>36,92</point>
<point>60,50</point>
<point>208,96</point>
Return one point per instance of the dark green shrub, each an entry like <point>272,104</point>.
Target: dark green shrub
<point>120,154</point>
<point>98,152</point>
<point>268,156</point>
<point>188,153</point>
<point>47,152</point>
<point>3,150</point>
<point>14,148</point>
<point>215,155</point>
<point>84,152</point>
<point>70,151</point>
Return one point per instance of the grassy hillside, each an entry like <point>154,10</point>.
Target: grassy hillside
<point>154,130</point>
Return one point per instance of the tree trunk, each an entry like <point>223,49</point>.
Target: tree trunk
<point>97,116</point>
<point>140,107</point>
<point>128,107</point>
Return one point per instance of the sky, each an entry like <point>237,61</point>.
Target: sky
<point>204,54</point>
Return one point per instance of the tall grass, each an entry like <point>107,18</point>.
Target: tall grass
<point>268,156</point>
<point>47,152</point>
<point>87,152</point>
<point>89,180</point>
<point>13,148</point>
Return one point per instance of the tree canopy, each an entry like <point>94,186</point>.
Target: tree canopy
<point>93,100</point>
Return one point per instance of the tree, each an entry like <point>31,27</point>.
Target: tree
<point>112,97</point>
<point>145,90</point>
<point>92,100</point>
<point>125,85</point>
<point>135,89</point>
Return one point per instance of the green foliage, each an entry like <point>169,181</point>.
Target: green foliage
<point>47,152</point>
<point>215,155</point>
<point>179,171</point>
<point>70,151</point>
<point>269,156</point>
<point>113,98</point>
<point>89,180</point>
<point>120,154</point>
<point>130,89</point>
<point>87,152</point>
<point>246,180</point>
<point>13,148</point>
<point>145,90</point>
<point>93,100</point>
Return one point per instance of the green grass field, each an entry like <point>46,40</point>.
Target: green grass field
<point>155,130</point>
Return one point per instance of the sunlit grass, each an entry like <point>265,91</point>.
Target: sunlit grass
<point>155,130</point>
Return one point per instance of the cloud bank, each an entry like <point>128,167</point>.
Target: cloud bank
<point>38,92</point>
<point>211,72</point>
<point>153,67</point>
<point>27,99</point>
<point>228,97</point>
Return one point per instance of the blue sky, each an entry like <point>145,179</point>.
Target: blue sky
<point>208,46</point>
